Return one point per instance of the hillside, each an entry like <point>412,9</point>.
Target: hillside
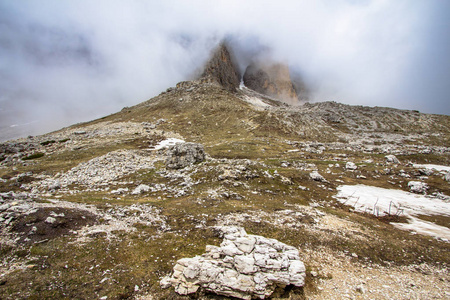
<point>96,210</point>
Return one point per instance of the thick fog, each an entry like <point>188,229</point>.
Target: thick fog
<point>63,62</point>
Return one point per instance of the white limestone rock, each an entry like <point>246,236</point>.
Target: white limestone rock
<point>244,266</point>
<point>50,220</point>
<point>142,188</point>
<point>350,166</point>
<point>316,176</point>
<point>418,187</point>
<point>447,177</point>
<point>392,159</point>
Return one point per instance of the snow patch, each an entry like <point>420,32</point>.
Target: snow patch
<point>438,168</point>
<point>425,227</point>
<point>380,202</point>
<point>255,101</point>
<point>167,143</point>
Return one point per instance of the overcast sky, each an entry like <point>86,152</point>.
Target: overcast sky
<point>67,61</point>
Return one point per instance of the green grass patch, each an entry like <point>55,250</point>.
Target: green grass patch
<point>46,143</point>
<point>34,156</point>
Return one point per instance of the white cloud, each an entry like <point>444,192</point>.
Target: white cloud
<point>68,61</point>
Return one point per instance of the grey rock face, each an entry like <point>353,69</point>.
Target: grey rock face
<point>182,155</point>
<point>272,79</point>
<point>244,266</point>
<point>222,68</point>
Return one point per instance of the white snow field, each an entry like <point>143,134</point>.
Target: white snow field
<point>438,168</point>
<point>381,201</point>
<point>167,143</point>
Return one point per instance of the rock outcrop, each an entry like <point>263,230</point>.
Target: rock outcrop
<point>222,68</point>
<point>392,159</point>
<point>244,266</point>
<point>418,187</point>
<point>272,79</point>
<point>182,155</point>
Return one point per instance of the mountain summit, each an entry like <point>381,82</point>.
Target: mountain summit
<point>222,68</point>
<point>272,79</point>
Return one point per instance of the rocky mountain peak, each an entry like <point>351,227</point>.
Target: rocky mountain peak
<point>272,79</point>
<point>222,68</point>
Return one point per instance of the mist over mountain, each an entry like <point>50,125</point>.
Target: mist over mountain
<point>66,62</point>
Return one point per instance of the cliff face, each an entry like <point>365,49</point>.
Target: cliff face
<point>222,68</point>
<point>271,79</point>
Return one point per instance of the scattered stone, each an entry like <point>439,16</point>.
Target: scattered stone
<point>418,187</point>
<point>182,155</point>
<point>4,207</point>
<point>244,266</point>
<point>360,289</point>
<point>50,220</point>
<point>142,188</point>
<point>447,177</point>
<point>316,176</point>
<point>55,185</point>
<point>350,166</point>
<point>102,170</point>
<point>392,159</point>
<point>120,191</point>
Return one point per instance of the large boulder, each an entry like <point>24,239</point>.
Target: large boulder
<point>244,266</point>
<point>182,155</point>
<point>351,166</point>
<point>316,176</point>
<point>392,159</point>
<point>418,187</point>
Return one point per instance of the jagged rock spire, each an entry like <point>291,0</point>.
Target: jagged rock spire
<point>272,79</point>
<point>222,68</point>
